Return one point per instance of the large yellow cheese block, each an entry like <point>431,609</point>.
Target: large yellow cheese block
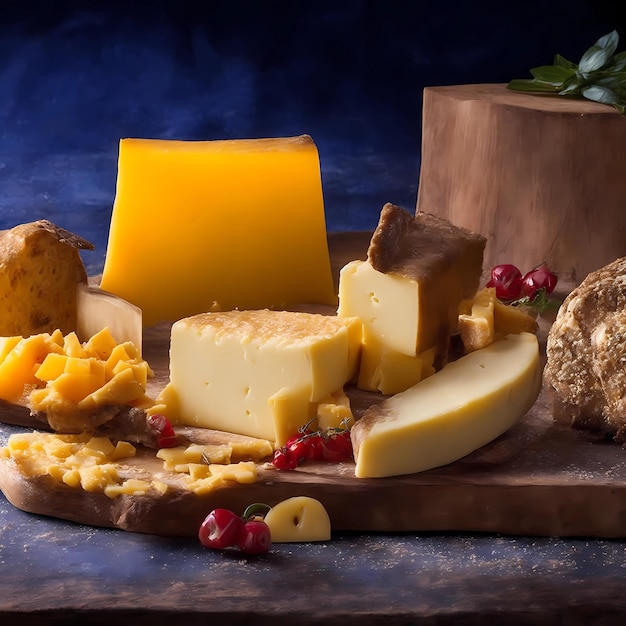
<point>459,409</point>
<point>260,373</point>
<point>216,225</point>
<point>419,268</point>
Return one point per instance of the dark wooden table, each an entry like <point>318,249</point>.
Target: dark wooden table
<point>57,572</point>
<point>75,81</point>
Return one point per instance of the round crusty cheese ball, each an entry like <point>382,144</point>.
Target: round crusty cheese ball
<point>586,354</point>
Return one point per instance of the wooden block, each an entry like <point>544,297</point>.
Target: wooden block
<point>542,177</point>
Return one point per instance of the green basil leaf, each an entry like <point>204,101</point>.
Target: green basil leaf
<point>571,87</point>
<point>554,75</point>
<point>599,54</point>
<point>612,81</point>
<point>597,93</point>
<point>525,84</point>
<point>618,63</point>
<point>561,61</point>
<point>609,41</point>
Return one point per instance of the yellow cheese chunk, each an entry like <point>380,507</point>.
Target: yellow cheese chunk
<point>260,373</point>
<point>398,349</point>
<point>418,269</point>
<point>476,326</point>
<point>462,407</point>
<point>388,371</point>
<point>297,520</point>
<point>21,361</point>
<point>335,412</point>
<point>511,319</point>
<point>78,461</point>
<point>484,318</point>
<point>218,225</point>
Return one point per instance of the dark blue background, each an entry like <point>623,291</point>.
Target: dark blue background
<point>77,76</point>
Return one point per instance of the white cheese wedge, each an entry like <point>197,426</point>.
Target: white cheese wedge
<point>97,309</point>
<point>260,373</point>
<point>459,409</point>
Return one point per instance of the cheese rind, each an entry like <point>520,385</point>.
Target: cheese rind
<point>218,225</point>
<point>459,409</point>
<point>260,373</point>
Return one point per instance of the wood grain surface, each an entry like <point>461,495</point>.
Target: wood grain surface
<point>536,479</point>
<point>540,176</point>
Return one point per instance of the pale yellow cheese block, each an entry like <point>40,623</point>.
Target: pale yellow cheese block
<point>459,409</point>
<point>260,373</point>
<point>389,307</point>
<point>216,225</point>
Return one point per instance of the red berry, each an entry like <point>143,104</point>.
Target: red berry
<point>299,446</point>
<point>337,446</point>
<point>507,279</point>
<point>166,437</point>
<point>306,446</point>
<point>220,529</point>
<point>284,459</point>
<point>316,447</point>
<point>541,277</point>
<point>255,537</point>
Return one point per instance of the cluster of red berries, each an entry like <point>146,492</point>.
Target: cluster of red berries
<point>333,446</point>
<point>223,529</point>
<point>511,284</point>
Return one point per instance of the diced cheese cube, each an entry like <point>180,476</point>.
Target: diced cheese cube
<point>97,477</point>
<point>335,412</point>
<point>476,327</point>
<point>177,221</point>
<point>123,450</point>
<point>17,369</point>
<point>101,444</point>
<point>243,472</point>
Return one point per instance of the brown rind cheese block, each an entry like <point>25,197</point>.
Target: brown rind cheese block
<point>40,267</point>
<point>446,261</point>
<point>586,350</point>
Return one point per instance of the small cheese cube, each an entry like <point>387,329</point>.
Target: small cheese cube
<point>218,225</point>
<point>476,327</point>
<point>258,373</point>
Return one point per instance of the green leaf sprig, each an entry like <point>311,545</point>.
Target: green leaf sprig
<point>600,75</point>
<point>540,302</point>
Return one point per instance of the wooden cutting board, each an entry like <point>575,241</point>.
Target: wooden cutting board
<point>537,479</point>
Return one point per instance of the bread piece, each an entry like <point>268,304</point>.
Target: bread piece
<point>40,267</point>
<point>586,351</point>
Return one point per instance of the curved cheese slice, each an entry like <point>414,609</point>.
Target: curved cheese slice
<point>464,406</point>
